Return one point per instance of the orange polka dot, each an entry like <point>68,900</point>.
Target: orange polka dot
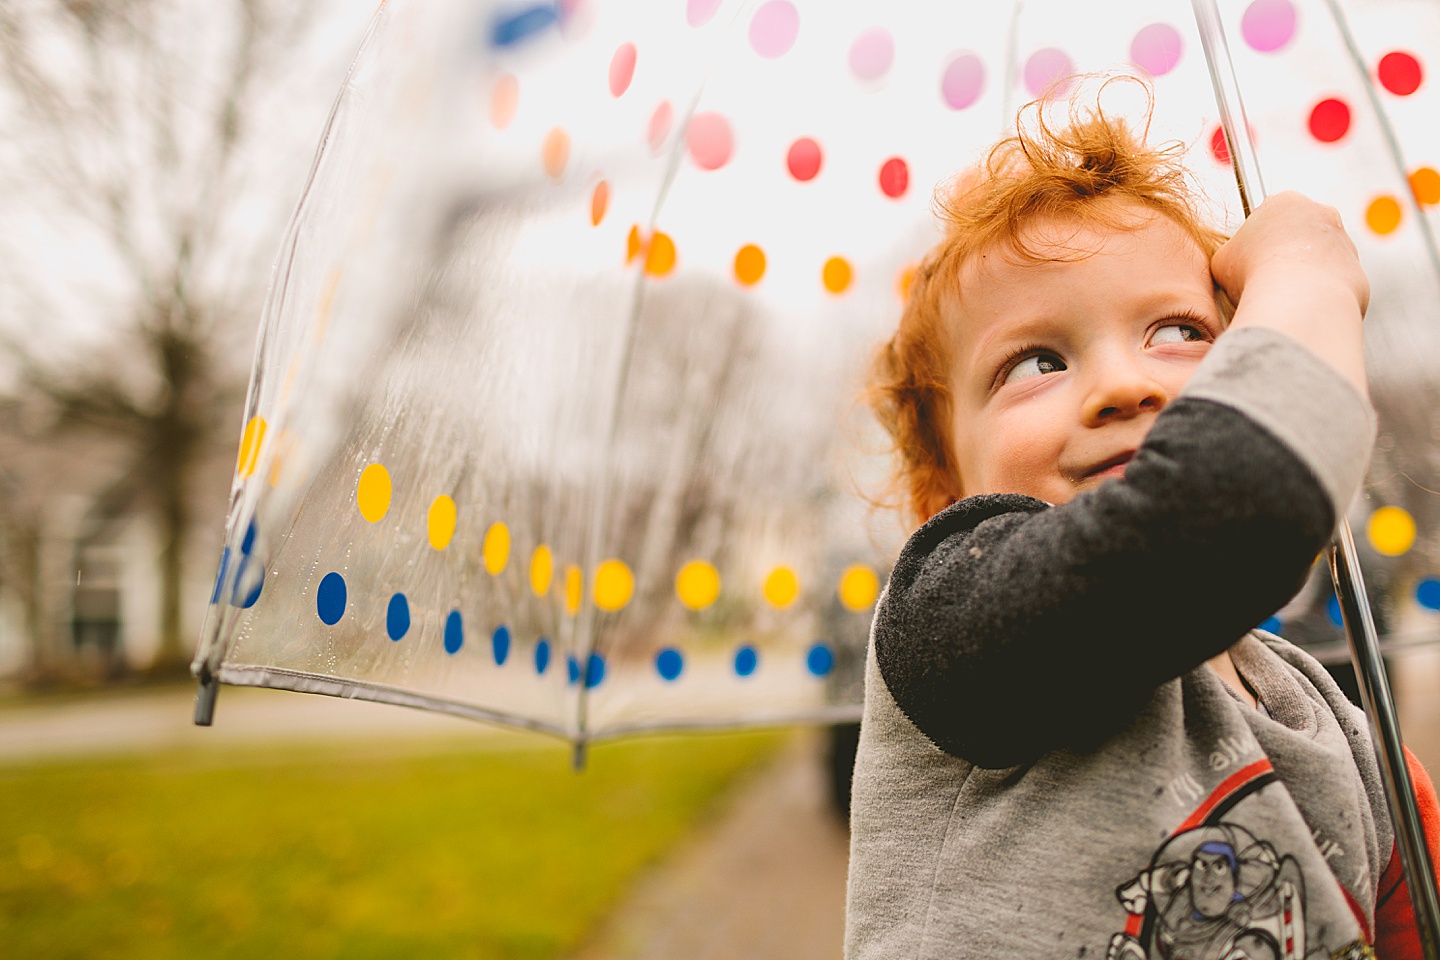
<point>837,275</point>
<point>1425,183</point>
<point>749,264</point>
<point>1383,215</point>
<point>503,101</point>
<point>660,258</point>
<point>633,244</point>
<point>599,200</point>
<point>905,281</point>
<point>555,152</point>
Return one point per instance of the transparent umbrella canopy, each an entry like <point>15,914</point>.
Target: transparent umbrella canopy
<point>555,417</point>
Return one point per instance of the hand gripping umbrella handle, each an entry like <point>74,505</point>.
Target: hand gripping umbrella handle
<point>1344,567</point>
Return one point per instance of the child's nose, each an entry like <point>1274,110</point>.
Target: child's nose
<point>1123,390</point>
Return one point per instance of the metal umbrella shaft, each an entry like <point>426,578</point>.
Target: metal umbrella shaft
<point>1344,566</point>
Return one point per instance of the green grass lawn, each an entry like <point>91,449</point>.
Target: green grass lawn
<point>494,852</point>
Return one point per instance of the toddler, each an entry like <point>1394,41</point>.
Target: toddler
<point>1074,743</point>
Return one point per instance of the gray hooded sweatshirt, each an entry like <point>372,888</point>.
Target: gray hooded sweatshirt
<point>1047,768</point>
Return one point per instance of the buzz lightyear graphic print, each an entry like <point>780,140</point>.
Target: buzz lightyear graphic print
<point>1215,891</point>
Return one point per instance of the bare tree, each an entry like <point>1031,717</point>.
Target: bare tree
<point>135,135</point>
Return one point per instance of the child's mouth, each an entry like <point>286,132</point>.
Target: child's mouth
<point>1113,467</point>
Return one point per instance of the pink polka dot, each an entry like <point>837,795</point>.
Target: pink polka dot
<point>622,69</point>
<point>894,178</point>
<point>872,53</point>
<point>659,127</point>
<point>699,12</point>
<point>1047,73</point>
<point>803,159</point>
<point>1268,24</point>
<point>962,81</point>
<point>1156,49</point>
<point>774,28</point>
<point>709,140</point>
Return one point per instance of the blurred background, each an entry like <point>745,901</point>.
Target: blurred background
<point>151,153</point>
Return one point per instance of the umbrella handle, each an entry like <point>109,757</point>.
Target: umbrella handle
<point>1344,567</point>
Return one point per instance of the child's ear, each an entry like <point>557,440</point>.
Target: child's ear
<point>937,499</point>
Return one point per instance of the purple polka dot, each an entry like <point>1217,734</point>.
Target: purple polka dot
<point>1268,24</point>
<point>872,53</point>
<point>962,81</point>
<point>1156,49</point>
<point>1046,72</point>
<point>699,12</point>
<point>773,28</point>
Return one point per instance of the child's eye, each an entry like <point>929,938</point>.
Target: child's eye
<point>1176,333</point>
<point>1035,365</point>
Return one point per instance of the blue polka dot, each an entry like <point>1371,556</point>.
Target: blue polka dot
<point>819,660</point>
<point>1427,593</point>
<point>514,28</point>
<point>542,656</point>
<point>594,670</point>
<point>454,632</point>
<point>500,644</point>
<point>669,663</point>
<point>1332,610</point>
<point>572,669</point>
<point>253,597</point>
<point>1272,625</point>
<point>248,543</point>
<point>220,574</point>
<point>330,598</point>
<point>746,660</point>
<point>397,617</point>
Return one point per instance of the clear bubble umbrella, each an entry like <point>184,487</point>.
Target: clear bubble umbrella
<point>555,417</point>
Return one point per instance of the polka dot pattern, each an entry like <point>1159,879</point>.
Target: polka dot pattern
<point>709,141</point>
<point>1268,25</point>
<point>1427,593</point>
<point>773,28</point>
<point>1047,72</point>
<point>837,275</point>
<point>699,12</point>
<point>746,661</point>
<point>782,587</point>
<point>614,585</point>
<point>669,663</point>
<point>859,586</point>
<point>1400,73</point>
<point>599,202</point>
<point>440,522</point>
<point>871,54</point>
<point>1329,120</point>
<point>622,69</point>
<point>500,645</point>
<point>894,178</point>
<point>658,128</point>
<point>1383,215</point>
<point>1425,185</point>
<point>504,101</point>
<point>372,493</point>
<point>820,660</point>
<point>555,153</point>
<point>803,159</point>
<point>697,584</point>
<point>397,617</point>
<point>542,570</point>
<point>749,265</point>
<point>962,81</point>
<point>330,599</point>
<point>496,549</point>
<point>454,637</point>
<point>251,440</point>
<point>1156,49</point>
<point>1391,531</point>
<point>660,255</point>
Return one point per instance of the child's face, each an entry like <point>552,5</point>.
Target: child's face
<point>1062,367</point>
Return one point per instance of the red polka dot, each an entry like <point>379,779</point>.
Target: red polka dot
<point>622,69</point>
<point>894,178</point>
<point>1219,147</point>
<point>1329,120</point>
<point>803,159</point>
<point>1400,73</point>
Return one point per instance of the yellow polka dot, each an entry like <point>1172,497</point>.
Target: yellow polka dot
<point>749,264</point>
<point>250,440</point>
<point>440,523</point>
<point>555,152</point>
<point>697,584</point>
<point>503,101</point>
<point>1391,531</point>
<point>574,589</point>
<point>837,275</point>
<point>782,587</point>
<point>542,570</point>
<point>660,258</point>
<point>496,549</point>
<point>1383,215</point>
<point>372,494</point>
<point>614,585</point>
<point>1425,184</point>
<point>858,587</point>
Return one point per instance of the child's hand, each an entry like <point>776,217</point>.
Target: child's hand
<point>1292,267</point>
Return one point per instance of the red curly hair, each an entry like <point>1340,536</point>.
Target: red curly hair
<point>1039,173</point>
